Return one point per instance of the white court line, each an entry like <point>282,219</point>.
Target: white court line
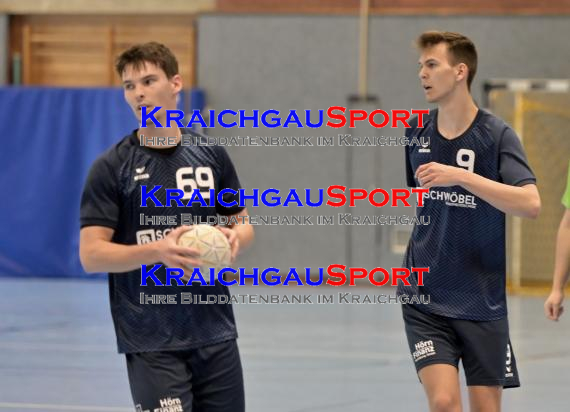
<point>357,354</point>
<point>244,350</point>
<point>52,407</point>
<point>73,347</point>
<point>327,354</point>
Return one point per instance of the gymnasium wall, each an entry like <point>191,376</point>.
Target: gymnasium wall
<point>309,62</point>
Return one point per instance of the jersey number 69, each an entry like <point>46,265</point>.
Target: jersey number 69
<point>204,181</point>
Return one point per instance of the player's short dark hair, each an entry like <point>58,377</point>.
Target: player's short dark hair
<point>460,47</point>
<point>151,52</point>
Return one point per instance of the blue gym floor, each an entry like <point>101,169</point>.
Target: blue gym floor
<point>57,353</point>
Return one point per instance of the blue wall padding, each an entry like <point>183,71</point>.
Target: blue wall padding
<point>50,137</point>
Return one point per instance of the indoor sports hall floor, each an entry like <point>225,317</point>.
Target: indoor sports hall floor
<point>57,353</point>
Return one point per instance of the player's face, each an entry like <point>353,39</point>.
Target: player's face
<point>148,86</point>
<point>439,78</point>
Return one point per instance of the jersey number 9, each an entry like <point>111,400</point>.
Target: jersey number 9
<point>466,159</point>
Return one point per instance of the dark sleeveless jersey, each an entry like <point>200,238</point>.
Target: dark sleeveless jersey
<point>464,244</point>
<point>112,198</point>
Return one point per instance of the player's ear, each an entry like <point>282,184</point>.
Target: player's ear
<point>176,83</point>
<point>461,71</point>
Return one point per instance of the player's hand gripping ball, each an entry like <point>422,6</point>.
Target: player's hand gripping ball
<point>213,246</point>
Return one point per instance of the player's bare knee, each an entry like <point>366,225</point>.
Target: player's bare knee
<point>445,402</point>
<point>486,399</point>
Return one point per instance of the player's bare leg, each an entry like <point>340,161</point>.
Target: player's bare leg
<point>441,383</point>
<point>485,398</point>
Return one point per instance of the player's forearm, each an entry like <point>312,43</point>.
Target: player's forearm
<point>562,257</point>
<point>245,235</point>
<point>513,200</point>
<point>105,256</point>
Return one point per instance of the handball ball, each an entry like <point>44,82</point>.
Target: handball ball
<point>213,246</point>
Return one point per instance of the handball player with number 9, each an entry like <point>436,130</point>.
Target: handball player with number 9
<point>477,172</point>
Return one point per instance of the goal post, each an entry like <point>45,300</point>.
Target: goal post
<point>539,111</point>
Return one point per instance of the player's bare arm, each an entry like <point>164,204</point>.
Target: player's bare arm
<point>553,308</point>
<point>99,254</point>
<point>523,201</point>
<point>240,234</point>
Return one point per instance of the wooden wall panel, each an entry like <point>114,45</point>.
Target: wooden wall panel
<point>128,7</point>
<point>81,50</point>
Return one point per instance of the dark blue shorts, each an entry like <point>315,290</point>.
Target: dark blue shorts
<point>207,379</point>
<point>484,348</point>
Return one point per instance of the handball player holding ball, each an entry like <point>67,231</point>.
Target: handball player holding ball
<point>179,356</point>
